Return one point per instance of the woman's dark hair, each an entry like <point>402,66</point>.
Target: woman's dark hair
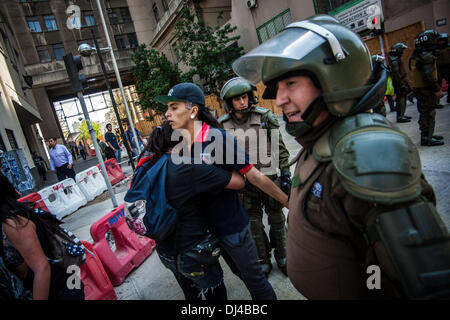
<point>205,115</point>
<point>159,142</point>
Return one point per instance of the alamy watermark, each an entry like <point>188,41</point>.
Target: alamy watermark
<point>74,19</point>
<point>374,280</point>
<point>74,278</point>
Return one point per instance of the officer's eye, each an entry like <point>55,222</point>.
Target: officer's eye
<point>290,83</point>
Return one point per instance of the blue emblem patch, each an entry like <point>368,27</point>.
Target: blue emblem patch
<point>317,190</point>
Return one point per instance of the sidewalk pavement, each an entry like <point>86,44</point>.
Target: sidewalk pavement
<point>152,281</point>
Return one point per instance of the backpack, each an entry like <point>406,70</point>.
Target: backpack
<point>148,211</point>
<point>61,247</point>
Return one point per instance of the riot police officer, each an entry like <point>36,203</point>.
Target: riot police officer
<point>426,87</point>
<point>398,74</point>
<point>360,224</point>
<point>257,122</point>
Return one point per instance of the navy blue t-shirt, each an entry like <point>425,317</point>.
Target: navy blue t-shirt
<point>111,138</point>
<point>224,212</point>
<point>129,136</point>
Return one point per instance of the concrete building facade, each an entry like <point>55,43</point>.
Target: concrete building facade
<point>20,115</point>
<point>46,30</point>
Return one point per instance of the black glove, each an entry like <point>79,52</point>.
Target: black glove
<point>285,182</point>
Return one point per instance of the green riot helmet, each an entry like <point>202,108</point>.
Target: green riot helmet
<point>337,57</point>
<point>397,49</point>
<point>234,88</point>
<point>427,40</point>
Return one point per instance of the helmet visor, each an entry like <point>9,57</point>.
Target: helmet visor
<point>292,43</point>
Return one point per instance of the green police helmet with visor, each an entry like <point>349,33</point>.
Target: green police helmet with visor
<point>431,40</point>
<point>320,45</point>
<point>236,87</point>
<point>397,49</point>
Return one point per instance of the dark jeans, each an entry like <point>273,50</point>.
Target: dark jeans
<point>195,279</point>
<point>41,171</point>
<point>64,172</point>
<point>241,248</point>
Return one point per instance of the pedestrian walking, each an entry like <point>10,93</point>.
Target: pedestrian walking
<point>111,141</point>
<point>74,153</point>
<point>40,165</point>
<point>61,160</point>
<point>129,139</point>
<point>82,150</point>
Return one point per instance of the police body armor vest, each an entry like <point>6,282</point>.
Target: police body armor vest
<point>253,136</point>
<point>416,64</point>
<point>378,163</point>
<point>396,66</point>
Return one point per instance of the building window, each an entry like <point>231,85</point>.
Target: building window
<point>125,14</point>
<point>274,26</point>
<point>120,42</point>
<point>325,6</point>
<point>155,12</point>
<point>58,51</point>
<point>50,23</point>
<point>113,18</point>
<point>33,24</point>
<point>164,5</point>
<point>12,139</point>
<point>44,55</point>
<point>89,19</point>
<point>132,39</point>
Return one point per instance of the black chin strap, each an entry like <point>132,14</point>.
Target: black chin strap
<point>374,95</point>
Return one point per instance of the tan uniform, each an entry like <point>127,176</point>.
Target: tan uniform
<point>254,135</point>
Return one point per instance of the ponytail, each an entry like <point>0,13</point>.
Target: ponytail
<point>205,115</point>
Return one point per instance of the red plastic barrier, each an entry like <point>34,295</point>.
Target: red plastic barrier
<point>131,249</point>
<point>36,198</point>
<point>97,285</point>
<point>115,173</point>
